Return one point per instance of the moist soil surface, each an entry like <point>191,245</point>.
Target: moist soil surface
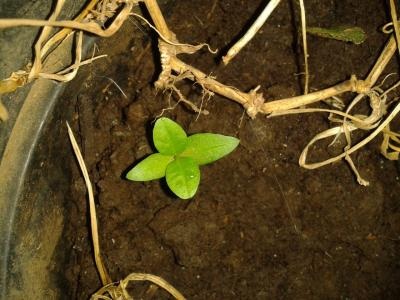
<point>259,227</point>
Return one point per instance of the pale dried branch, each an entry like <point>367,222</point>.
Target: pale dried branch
<point>393,13</point>
<point>91,27</point>
<point>37,62</point>
<point>351,85</point>
<point>259,22</point>
<point>158,19</point>
<point>104,276</point>
<point>66,31</point>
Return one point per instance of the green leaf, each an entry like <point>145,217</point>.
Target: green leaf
<point>152,167</point>
<point>183,177</point>
<point>355,35</point>
<point>205,148</point>
<point>169,137</point>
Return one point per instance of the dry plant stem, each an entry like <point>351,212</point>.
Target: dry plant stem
<point>382,61</point>
<point>393,14</point>
<point>312,110</point>
<point>211,84</point>
<point>262,18</point>
<point>37,64</point>
<point>41,51</point>
<point>158,18</point>
<point>88,27</point>
<point>251,101</point>
<point>305,51</point>
<point>386,145</point>
<point>376,71</point>
<point>105,277</point>
<point>66,31</point>
<point>91,27</point>
<point>190,104</point>
<point>172,41</point>
<point>121,288</point>
<point>61,76</point>
<point>293,102</point>
<point>154,279</point>
<point>356,147</point>
<point>351,85</point>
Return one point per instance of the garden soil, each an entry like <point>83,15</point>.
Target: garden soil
<point>260,227</point>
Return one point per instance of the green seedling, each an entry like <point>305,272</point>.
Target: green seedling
<point>180,156</point>
<point>355,35</point>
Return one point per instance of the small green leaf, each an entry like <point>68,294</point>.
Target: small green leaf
<point>205,148</point>
<point>152,167</point>
<point>169,137</point>
<point>355,35</point>
<point>183,177</point>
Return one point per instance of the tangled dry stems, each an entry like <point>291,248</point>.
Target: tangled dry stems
<point>174,70</point>
<point>91,19</point>
<point>254,103</point>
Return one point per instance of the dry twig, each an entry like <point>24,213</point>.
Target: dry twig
<point>251,32</point>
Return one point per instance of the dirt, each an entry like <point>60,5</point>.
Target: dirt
<point>260,227</point>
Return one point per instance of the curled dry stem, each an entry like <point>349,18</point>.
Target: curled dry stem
<point>121,287</point>
<point>390,147</point>
<point>340,129</point>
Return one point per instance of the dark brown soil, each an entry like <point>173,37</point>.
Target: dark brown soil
<point>260,227</point>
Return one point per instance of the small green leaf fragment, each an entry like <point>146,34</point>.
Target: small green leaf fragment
<point>183,177</point>
<point>205,148</point>
<point>169,137</point>
<point>152,167</point>
<point>355,35</point>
